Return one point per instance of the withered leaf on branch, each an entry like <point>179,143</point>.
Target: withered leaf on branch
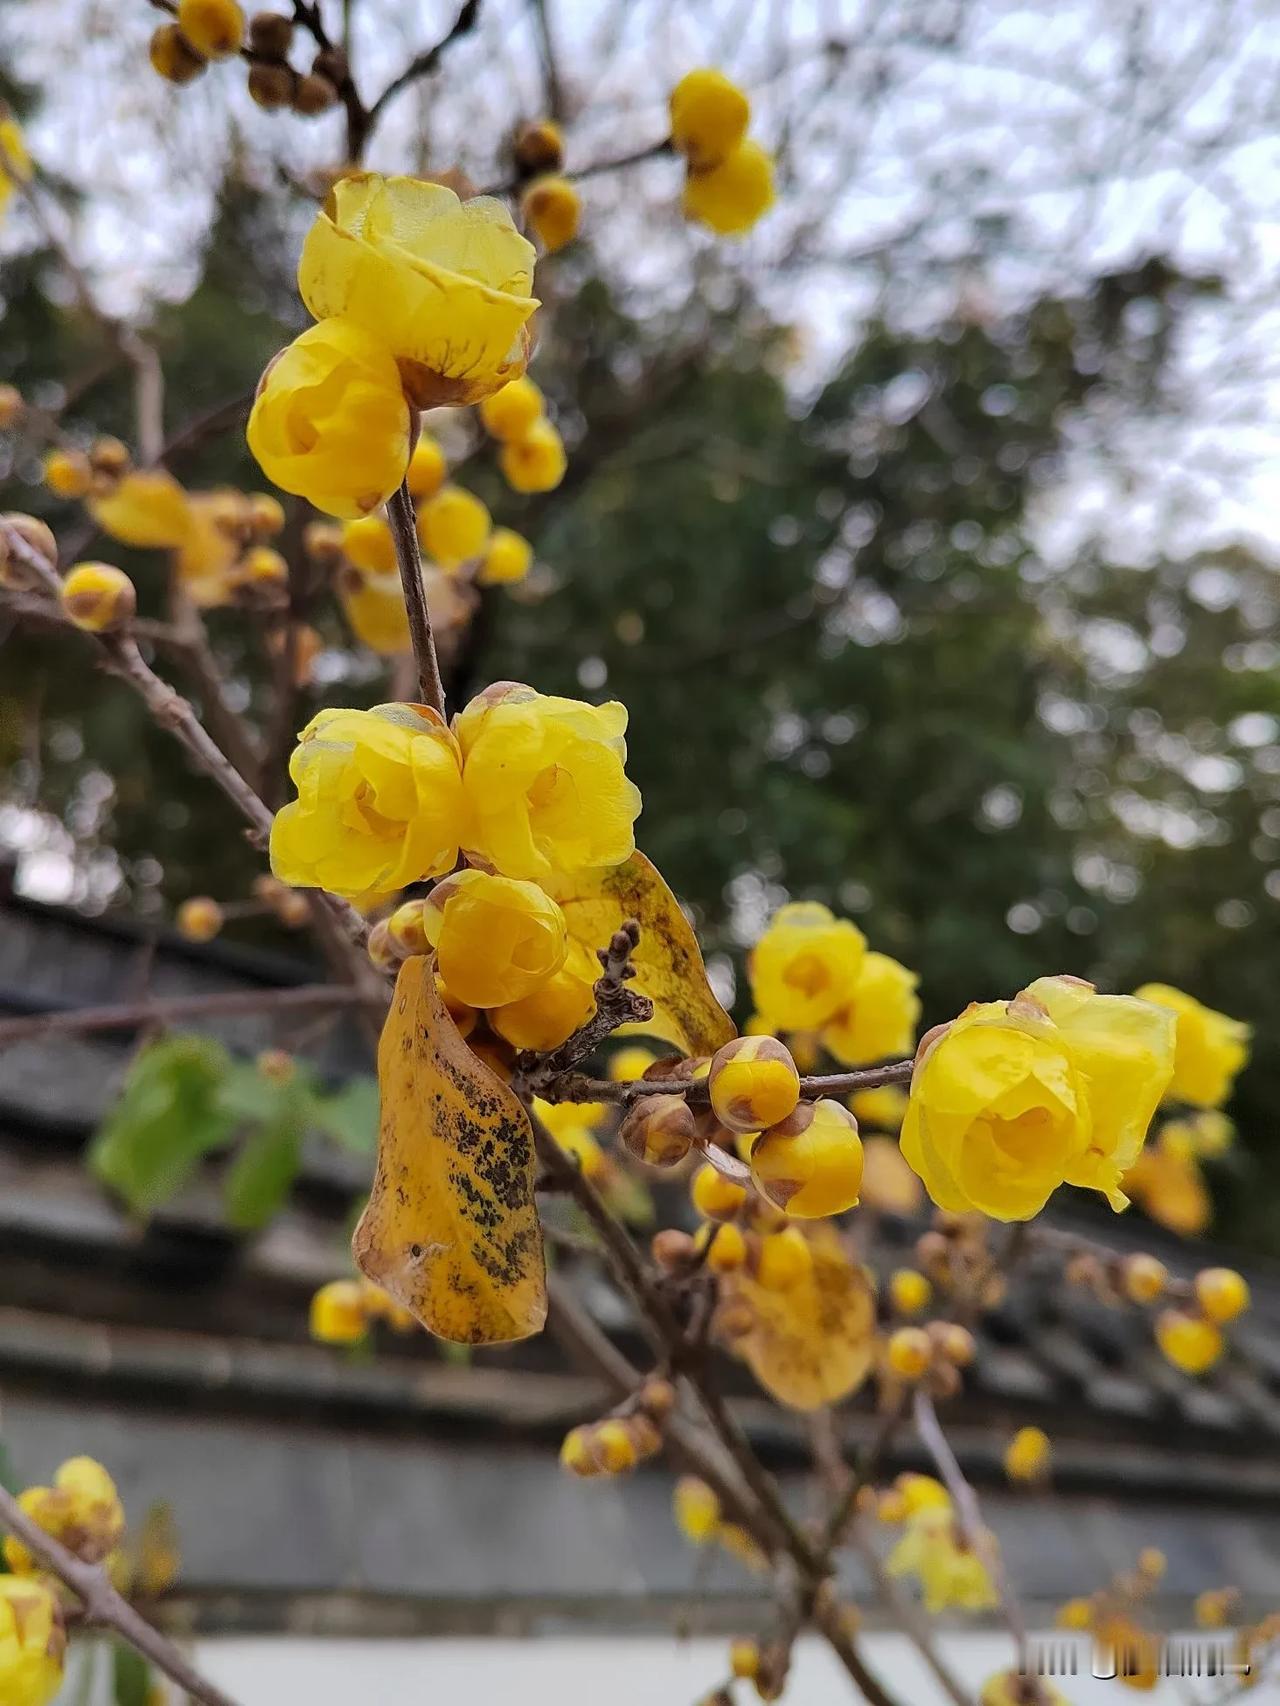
<point>450,1230</point>
<point>668,962</point>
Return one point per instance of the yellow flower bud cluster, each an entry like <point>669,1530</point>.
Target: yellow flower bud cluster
<point>343,1311</point>
<point>1015,1098</point>
<point>729,179</point>
<point>33,1640</point>
<point>82,1511</point>
<point>532,457</point>
<point>1190,1336</point>
<point>205,30</point>
<point>618,1442</point>
<point>421,299</point>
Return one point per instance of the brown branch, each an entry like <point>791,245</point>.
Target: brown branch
<point>128,1016</point>
<point>423,64</point>
<point>869,1460</point>
<point>576,1088</point>
<point>104,1606</point>
<point>910,1618</point>
<point>597,168</point>
<point>615,1005</point>
<point>404,532</point>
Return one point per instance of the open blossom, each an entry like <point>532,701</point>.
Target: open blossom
<point>444,285</point>
<point>950,1571</point>
<point>881,1017</point>
<point>1212,1048</point>
<point>379,802</point>
<point>546,784</point>
<point>33,1642</point>
<point>330,421</point>
<point>496,939</point>
<point>1015,1098</point>
<point>146,508</point>
<point>805,968</point>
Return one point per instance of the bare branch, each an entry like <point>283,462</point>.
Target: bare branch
<point>615,1005</point>
<point>423,64</point>
<point>573,1087</point>
<point>409,558</point>
<point>128,1016</point>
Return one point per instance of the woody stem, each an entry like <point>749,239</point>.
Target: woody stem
<point>405,534</point>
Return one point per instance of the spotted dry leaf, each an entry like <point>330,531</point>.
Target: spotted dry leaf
<point>668,962</point>
<point>450,1230</point>
<point>810,1344</point>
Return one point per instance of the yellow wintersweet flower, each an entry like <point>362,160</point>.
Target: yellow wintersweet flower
<point>545,782</point>
<point>368,544</point>
<point>1015,1098</point>
<point>331,422</point>
<point>206,559</point>
<point>453,526</point>
<point>1170,1186</point>
<point>33,1640</point>
<point>82,1511</point>
<point>497,939</point>
<point>148,508</point>
<point>427,467</point>
<point>881,1017</point>
<point>536,461</point>
<point>630,1063</point>
<point>507,559</point>
<point>810,1163</point>
<point>950,1571</point>
<point>374,606</point>
<point>444,285</point>
<point>805,968</point>
<point>15,162</point>
<point>887,1182</point>
<point>883,1108</point>
<point>340,1313</point>
<point>554,1011</point>
<point>1211,1047</point>
<point>730,197</point>
<point>696,1508</point>
<point>510,413</point>
<point>709,117</point>
<point>379,802</point>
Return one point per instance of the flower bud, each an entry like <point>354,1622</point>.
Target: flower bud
<point>552,209</point>
<point>67,473</point>
<point>744,1660</point>
<point>271,85</point>
<point>507,559</point>
<point>1222,1293</point>
<point>173,57</point>
<point>199,919</point>
<point>577,1453</point>
<point>1189,1343</point>
<point>709,116</point>
<point>536,461</point>
<point>331,62</point>
<point>427,467</point>
<point>313,95</point>
<point>407,928</point>
<point>214,28</point>
<point>731,197</point>
<point>909,1352</point>
<point>725,1244</point>
<point>38,539</point>
<point>658,1398</point>
<point>109,456</point>
<point>810,1164</point>
<point>696,1508</point>
<point>270,34</point>
<point>497,939</point>
<point>1152,1563</point>
<point>338,1313</point>
<point>266,515</point>
<point>263,570</point>
<point>909,1291</point>
<point>673,1251</point>
<point>956,1344</point>
<point>658,1130</point>
<point>322,542</point>
<point>277,1066</point>
<point>453,527</point>
<point>1143,1278</point>
<point>382,949</point>
<point>753,1083</point>
<point>714,1196</point>
<point>10,406</point>
<point>294,909</point>
<point>538,147</point>
<point>1027,1455</point>
<point>784,1259</point>
<point>615,1447</point>
<point>509,413</point>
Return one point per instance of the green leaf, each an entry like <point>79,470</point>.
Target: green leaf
<point>252,1097</point>
<point>263,1171</point>
<point>350,1115</point>
<point>169,1114</point>
<point>131,1676</point>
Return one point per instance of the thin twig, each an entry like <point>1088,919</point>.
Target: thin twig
<point>104,1606</point>
<point>131,1015</point>
<point>575,1088</point>
<point>409,557</point>
<point>423,64</point>
<point>615,1005</point>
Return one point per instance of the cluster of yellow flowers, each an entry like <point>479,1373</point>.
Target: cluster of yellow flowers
<point>215,29</point>
<point>948,1564</point>
<point>531,789</point>
<point>532,457</point>
<point>421,299</point>
<point>343,1311</point>
<point>82,1511</point>
<point>728,179</point>
<point>628,1436</point>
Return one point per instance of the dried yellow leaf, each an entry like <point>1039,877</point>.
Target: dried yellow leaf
<point>811,1343</point>
<point>450,1231</point>
<point>668,962</point>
